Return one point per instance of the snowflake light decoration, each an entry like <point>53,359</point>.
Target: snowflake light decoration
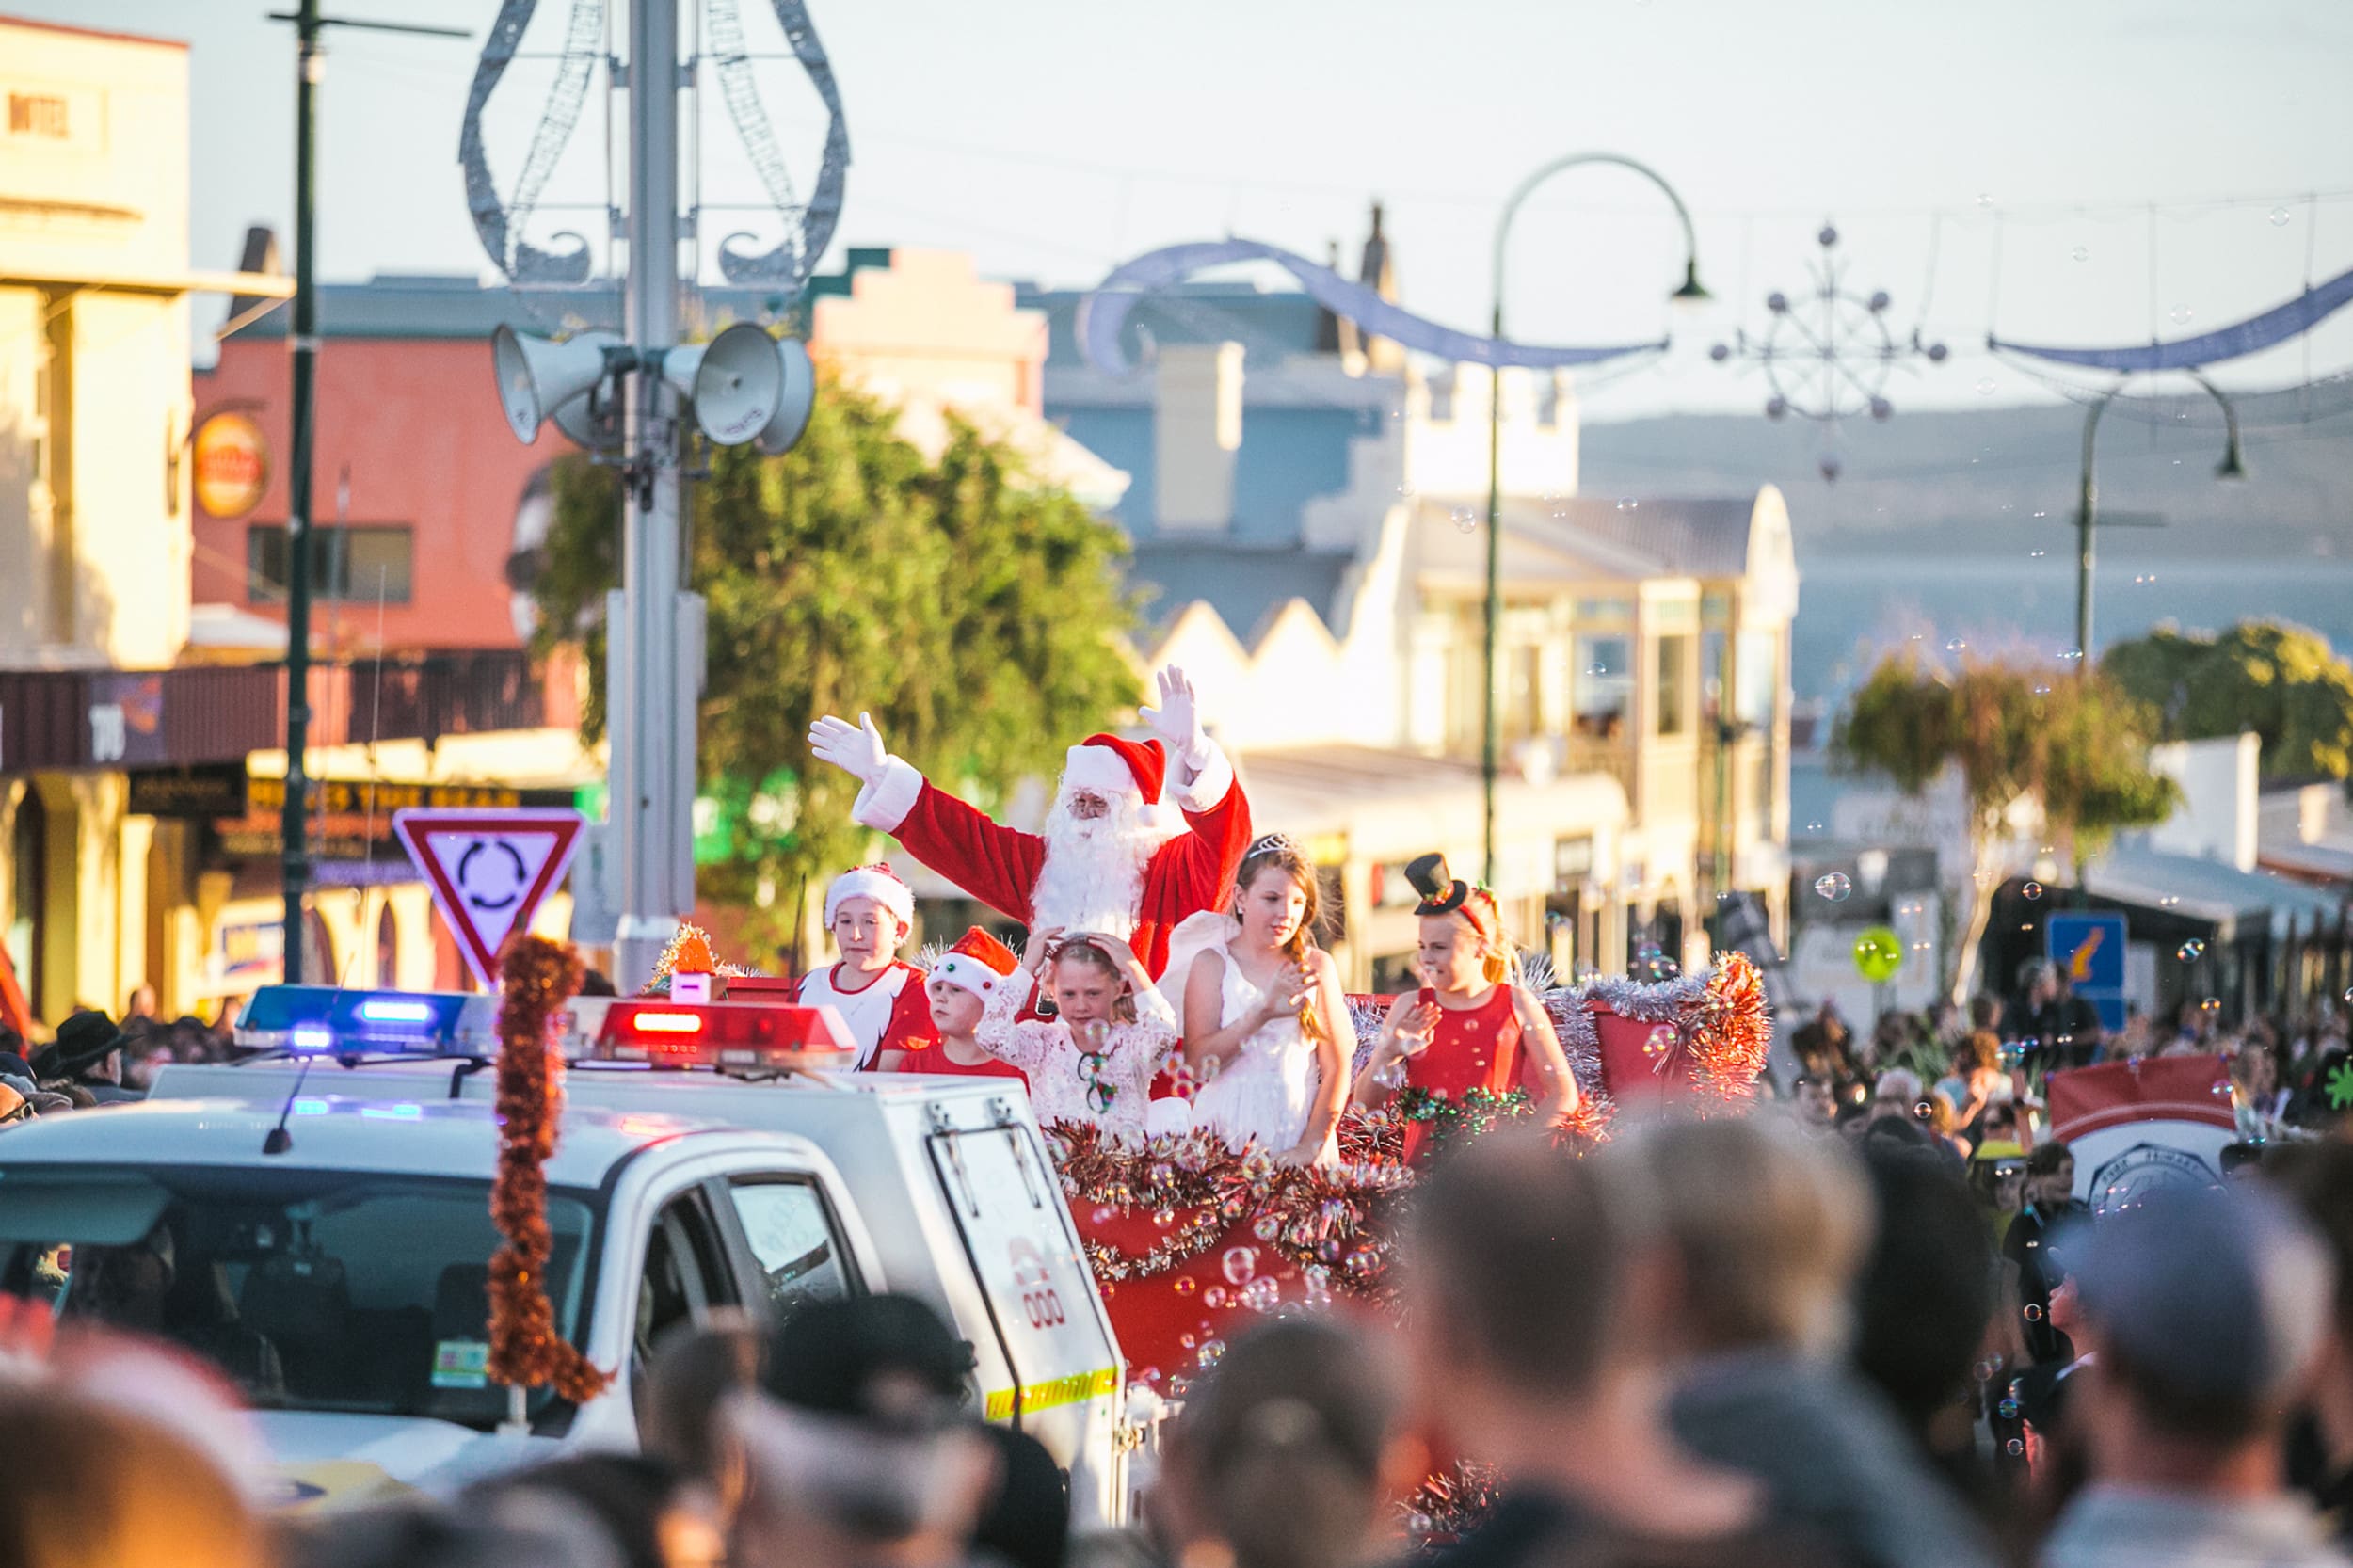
<point>1828,356</point>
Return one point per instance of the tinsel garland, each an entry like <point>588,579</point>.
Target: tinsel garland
<point>1474,1115</point>
<point>535,978</point>
<point>1448,1507</point>
<point>689,953</point>
<point>1312,1216</point>
<point>1721,1019</point>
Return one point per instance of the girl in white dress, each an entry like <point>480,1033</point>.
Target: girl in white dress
<point>1264,1005</point>
<point>1095,1058</point>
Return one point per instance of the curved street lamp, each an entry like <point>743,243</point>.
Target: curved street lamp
<point>2233,467</point>
<point>1688,294</point>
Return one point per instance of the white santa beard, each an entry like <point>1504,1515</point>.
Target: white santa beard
<point>1093,879</point>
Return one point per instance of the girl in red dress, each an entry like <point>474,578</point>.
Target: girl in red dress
<point>958,991</point>
<point>1471,1026</point>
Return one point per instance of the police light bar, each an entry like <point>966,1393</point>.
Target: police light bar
<point>662,1033</point>
<point>323,1020</point>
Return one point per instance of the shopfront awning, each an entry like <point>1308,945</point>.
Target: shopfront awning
<point>2235,903</point>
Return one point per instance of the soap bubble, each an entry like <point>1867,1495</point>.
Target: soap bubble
<point>2181,315</point>
<point>1390,1075</point>
<point>1214,1297</point>
<point>1240,1263</point>
<point>2211,1006</point>
<point>1267,1228</point>
<point>2081,253</point>
<point>2191,951</point>
<point>1262,1295</point>
<point>1163,1217</point>
<point>2032,890</point>
<point>1834,886</point>
<point>2279,216</point>
<point>1985,386</point>
<point>1464,519</point>
<point>1985,199</point>
<point>1627,503</point>
<point>1661,1043</point>
<point>1212,1351</point>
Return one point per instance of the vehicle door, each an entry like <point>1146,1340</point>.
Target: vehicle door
<point>1066,1387</point>
<point>786,1239</point>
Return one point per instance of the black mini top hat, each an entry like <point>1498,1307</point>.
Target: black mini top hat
<point>1442,892</point>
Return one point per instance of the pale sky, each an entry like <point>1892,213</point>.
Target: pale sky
<point>1053,138</point>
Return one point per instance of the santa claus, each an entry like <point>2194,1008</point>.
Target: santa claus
<point>1106,861</point>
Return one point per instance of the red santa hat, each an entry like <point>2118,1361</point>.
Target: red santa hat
<point>877,882</point>
<point>1110,766</point>
<point>979,963</point>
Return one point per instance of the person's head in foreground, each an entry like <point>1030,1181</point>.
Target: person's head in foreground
<point>857,1445</point>
<point>1287,1454</point>
<point>1760,1232</point>
<point>92,1484</point>
<point>2202,1315</point>
<point>1535,1329</point>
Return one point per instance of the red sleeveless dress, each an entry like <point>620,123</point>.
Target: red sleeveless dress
<point>1478,1047</point>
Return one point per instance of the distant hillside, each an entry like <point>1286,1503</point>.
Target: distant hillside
<point>1985,472</point>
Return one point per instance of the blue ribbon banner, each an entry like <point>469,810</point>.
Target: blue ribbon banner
<point>1104,312</point>
<point>2275,325</point>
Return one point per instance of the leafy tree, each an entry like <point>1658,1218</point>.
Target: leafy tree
<point>975,613</point>
<point>2281,682</point>
<point>2076,751</point>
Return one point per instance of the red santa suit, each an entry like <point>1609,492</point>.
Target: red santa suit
<point>888,1013</point>
<point>1188,872</point>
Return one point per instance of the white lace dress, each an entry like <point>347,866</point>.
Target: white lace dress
<point>1267,1090</point>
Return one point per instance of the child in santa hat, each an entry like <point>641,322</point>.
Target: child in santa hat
<point>870,912</point>
<point>960,984</point>
<point>1094,1060</point>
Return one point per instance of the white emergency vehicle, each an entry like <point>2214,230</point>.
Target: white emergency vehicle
<point>708,1157</point>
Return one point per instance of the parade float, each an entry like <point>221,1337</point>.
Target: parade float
<point>1189,1239</point>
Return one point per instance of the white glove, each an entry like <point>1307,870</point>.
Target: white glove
<point>856,749</point>
<point>1177,720</point>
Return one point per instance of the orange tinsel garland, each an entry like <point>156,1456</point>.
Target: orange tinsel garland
<point>535,978</point>
<point>1734,1029</point>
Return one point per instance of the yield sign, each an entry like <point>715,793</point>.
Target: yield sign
<point>488,870</point>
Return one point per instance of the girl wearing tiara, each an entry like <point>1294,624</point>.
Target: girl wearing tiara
<point>1094,1060</point>
<point>1471,1026</point>
<point>1265,1013</point>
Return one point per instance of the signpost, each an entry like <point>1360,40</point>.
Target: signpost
<point>2089,949</point>
<point>488,870</point>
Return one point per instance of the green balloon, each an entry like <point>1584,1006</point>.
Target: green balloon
<point>1878,952</point>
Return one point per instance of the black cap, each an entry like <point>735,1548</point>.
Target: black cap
<point>886,1360</point>
<point>83,1042</point>
<point>1442,892</point>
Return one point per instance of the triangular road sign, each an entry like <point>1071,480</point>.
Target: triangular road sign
<point>488,870</point>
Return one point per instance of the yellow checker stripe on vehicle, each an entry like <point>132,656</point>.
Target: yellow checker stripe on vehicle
<point>1078,1386</point>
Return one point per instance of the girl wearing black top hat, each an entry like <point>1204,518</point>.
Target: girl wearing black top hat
<point>1471,1027</point>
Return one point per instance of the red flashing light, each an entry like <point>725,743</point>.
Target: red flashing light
<point>722,1035</point>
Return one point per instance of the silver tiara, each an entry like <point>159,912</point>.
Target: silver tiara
<point>1272,842</point>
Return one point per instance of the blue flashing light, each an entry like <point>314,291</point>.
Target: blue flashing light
<point>321,1018</point>
<point>396,1010</point>
<point>309,1108</point>
<point>392,1112</point>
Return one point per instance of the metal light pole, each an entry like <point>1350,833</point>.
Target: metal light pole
<point>293,822</point>
<point>1690,292</point>
<point>651,690</point>
<point>2088,502</point>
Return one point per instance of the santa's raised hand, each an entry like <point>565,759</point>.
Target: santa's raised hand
<point>1176,717</point>
<point>857,749</point>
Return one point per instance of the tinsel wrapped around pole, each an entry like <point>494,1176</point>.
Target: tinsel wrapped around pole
<point>535,978</point>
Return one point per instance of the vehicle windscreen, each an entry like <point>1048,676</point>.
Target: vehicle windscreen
<point>326,1290</point>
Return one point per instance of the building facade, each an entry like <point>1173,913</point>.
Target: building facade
<point>1312,516</point>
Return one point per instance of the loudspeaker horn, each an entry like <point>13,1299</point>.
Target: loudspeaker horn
<point>783,430</point>
<point>734,382</point>
<point>538,375</point>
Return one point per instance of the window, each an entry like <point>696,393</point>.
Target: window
<point>1756,678</point>
<point>1604,685</point>
<point>1523,699</point>
<point>1715,669</point>
<point>785,1226</point>
<point>683,1277</point>
<point>1674,670</point>
<point>318,1290</point>
<point>355,562</point>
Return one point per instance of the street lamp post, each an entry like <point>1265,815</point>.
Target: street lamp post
<point>1690,292</point>
<point>2088,500</point>
<point>293,822</point>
